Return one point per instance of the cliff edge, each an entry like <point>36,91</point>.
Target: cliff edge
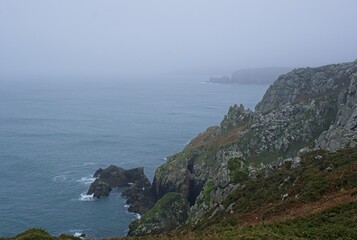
<point>303,110</point>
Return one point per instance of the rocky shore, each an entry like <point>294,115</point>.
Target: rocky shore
<point>138,190</point>
<point>303,110</point>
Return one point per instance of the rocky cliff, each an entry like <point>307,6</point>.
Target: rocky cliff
<point>305,109</point>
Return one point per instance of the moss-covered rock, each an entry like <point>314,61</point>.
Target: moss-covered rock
<point>167,214</point>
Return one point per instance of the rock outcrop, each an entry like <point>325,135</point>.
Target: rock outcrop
<point>344,131</point>
<point>114,177</point>
<point>167,214</point>
<point>304,109</point>
<point>140,196</point>
<point>304,84</point>
<point>139,192</point>
<point>99,189</point>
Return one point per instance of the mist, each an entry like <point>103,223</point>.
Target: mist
<point>113,37</point>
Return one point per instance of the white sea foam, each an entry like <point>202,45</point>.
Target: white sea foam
<point>126,206</point>
<point>59,178</point>
<point>207,82</point>
<point>138,216</point>
<point>86,198</point>
<point>79,234</point>
<point>86,180</point>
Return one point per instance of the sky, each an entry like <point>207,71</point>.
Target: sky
<point>113,37</point>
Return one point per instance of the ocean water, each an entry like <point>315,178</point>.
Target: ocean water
<point>56,132</point>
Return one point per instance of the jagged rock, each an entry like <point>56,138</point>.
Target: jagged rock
<point>99,189</point>
<point>167,214</point>
<point>98,172</point>
<point>237,117</point>
<point>140,195</point>
<point>171,178</point>
<point>343,133</point>
<point>119,177</point>
<point>305,109</point>
<point>306,83</point>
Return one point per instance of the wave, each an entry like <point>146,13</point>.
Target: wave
<point>77,233</point>
<point>59,178</point>
<point>87,163</point>
<point>207,82</point>
<point>86,180</point>
<point>86,198</point>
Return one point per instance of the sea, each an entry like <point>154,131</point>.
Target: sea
<point>55,132</point>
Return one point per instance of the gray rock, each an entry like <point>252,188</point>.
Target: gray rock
<point>167,214</point>
<point>114,177</point>
<point>305,109</point>
<point>99,189</point>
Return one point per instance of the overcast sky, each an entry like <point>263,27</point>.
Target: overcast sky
<point>87,37</point>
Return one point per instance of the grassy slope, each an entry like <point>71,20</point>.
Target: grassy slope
<point>321,203</point>
<point>339,222</point>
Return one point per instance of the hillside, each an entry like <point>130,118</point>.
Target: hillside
<point>306,109</point>
<point>314,200</point>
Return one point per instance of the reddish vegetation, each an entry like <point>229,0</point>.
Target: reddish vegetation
<point>279,212</point>
<point>345,171</point>
<point>210,137</point>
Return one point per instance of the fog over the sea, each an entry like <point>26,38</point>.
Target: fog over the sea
<point>113,37</point>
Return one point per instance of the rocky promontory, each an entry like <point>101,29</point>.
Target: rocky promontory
<point>138,188</point>
<point>303,110</point>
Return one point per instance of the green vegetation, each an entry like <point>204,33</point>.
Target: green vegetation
<point>238,170</point>
<point>320,173</point>
<point>165,205</point>
<point>277,205</point>
<point>166,201</point>
<point>339,222</point>
<point>208,188</point>
<point>40,234</point>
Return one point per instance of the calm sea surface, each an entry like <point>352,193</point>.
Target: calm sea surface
<point>55,133</point>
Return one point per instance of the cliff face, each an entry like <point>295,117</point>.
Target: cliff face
<point>305,109</point>
<point>344,130</point>
<point>305,84</point>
